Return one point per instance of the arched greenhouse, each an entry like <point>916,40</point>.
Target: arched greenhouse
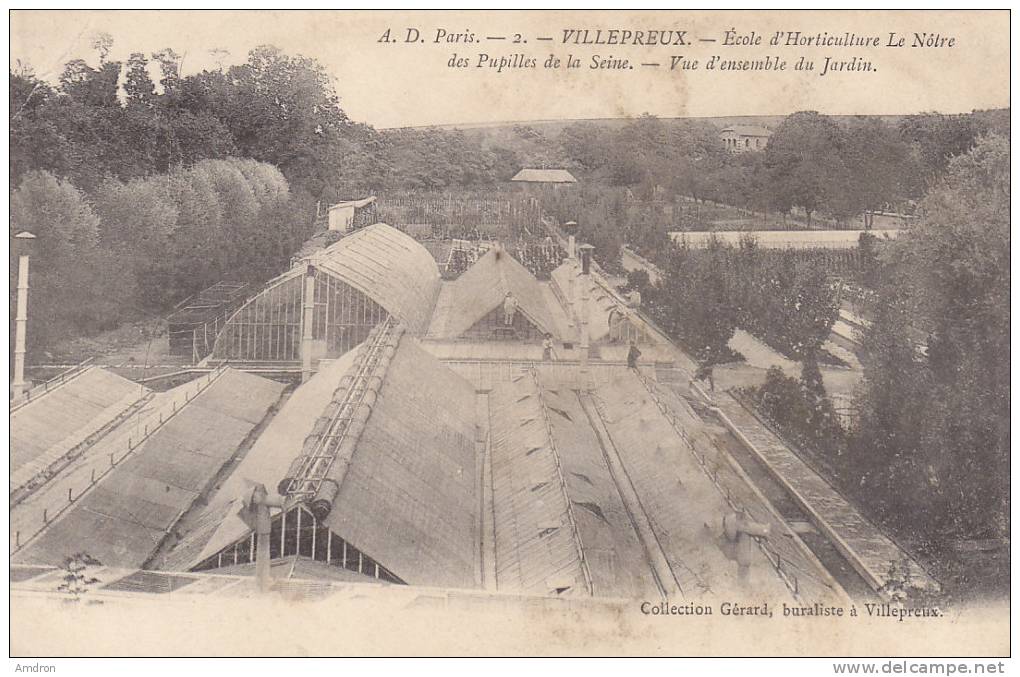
<point>355,284</point>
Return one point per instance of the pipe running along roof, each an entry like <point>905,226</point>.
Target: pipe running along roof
<point>402,487</point>
<point>407,496</point>
<point>601,305</point>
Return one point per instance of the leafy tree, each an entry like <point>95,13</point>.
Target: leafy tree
<point>870,273</point>
<point>137,215</point>
<point>805,166</point>
<point>598,221</point>
<point>278,109</point>
<point>170,67</point>
<point>196,244</point>
<point>138,85</point>
<point>935,419</point>
<point>78,579</point>
<point>582,144</point>
<point>90,86</point>
<point>138,218</point>
<point>102,42</point>
<point>89,119</point>
<point>638,280</point>
<point>801,413</point>
<point>36,139</point>
<point>625,168</point>
<point>808,310</point>
<point>56,213</point>
<point>694,302</point>
<point>692,157</point>
<point>190,137</point>
<point>882,169</point>
<point>65,263</point>
<point>937,138</point>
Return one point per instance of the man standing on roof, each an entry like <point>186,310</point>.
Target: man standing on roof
<point>704,373</point>
<point>632,356</point>
<point>509,309</point>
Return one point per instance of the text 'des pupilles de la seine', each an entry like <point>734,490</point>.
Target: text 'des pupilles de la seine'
<point>734,50</point>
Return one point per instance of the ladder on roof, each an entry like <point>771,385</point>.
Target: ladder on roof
<point>315,466</point>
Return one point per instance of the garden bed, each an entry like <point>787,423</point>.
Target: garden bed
<point>727,356</point>
<point>825,358</point>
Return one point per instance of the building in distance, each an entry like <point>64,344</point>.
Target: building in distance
<point>744,138</point>
<point>352,214</point>
<point>544,176</point>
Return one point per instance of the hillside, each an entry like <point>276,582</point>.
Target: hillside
<point>997,119</point>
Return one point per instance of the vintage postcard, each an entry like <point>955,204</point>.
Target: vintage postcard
<point>466,333</point>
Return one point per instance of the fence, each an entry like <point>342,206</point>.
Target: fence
<point>846,410</point>
<point>43,388</point>
<point>475,215</point>
<point>195,322</point>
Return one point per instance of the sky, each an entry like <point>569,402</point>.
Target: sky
<point>394,84</point>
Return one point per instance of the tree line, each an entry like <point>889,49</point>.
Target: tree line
<point>113,119</point>
<point>934,442</point>
<point>929,455</point>
<point>787,298</point>
<point>834,166</point>
<point>105,118</point>
<point>131,249</point>
<point>156,183</point>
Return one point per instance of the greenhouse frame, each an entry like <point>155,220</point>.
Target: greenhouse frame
<point>341,293</point>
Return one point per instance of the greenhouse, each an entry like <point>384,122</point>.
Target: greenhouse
<point>344,291</point>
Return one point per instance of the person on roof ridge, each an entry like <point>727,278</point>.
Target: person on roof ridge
<point>632,355</point>
<point>509,309</point>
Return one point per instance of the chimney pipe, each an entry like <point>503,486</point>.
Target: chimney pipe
<point>571,228</point>
<point>24,240</point>
<point>306,323</point>
<point>742,531</point>
<point>585,251</point>
<point>260,503</point>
